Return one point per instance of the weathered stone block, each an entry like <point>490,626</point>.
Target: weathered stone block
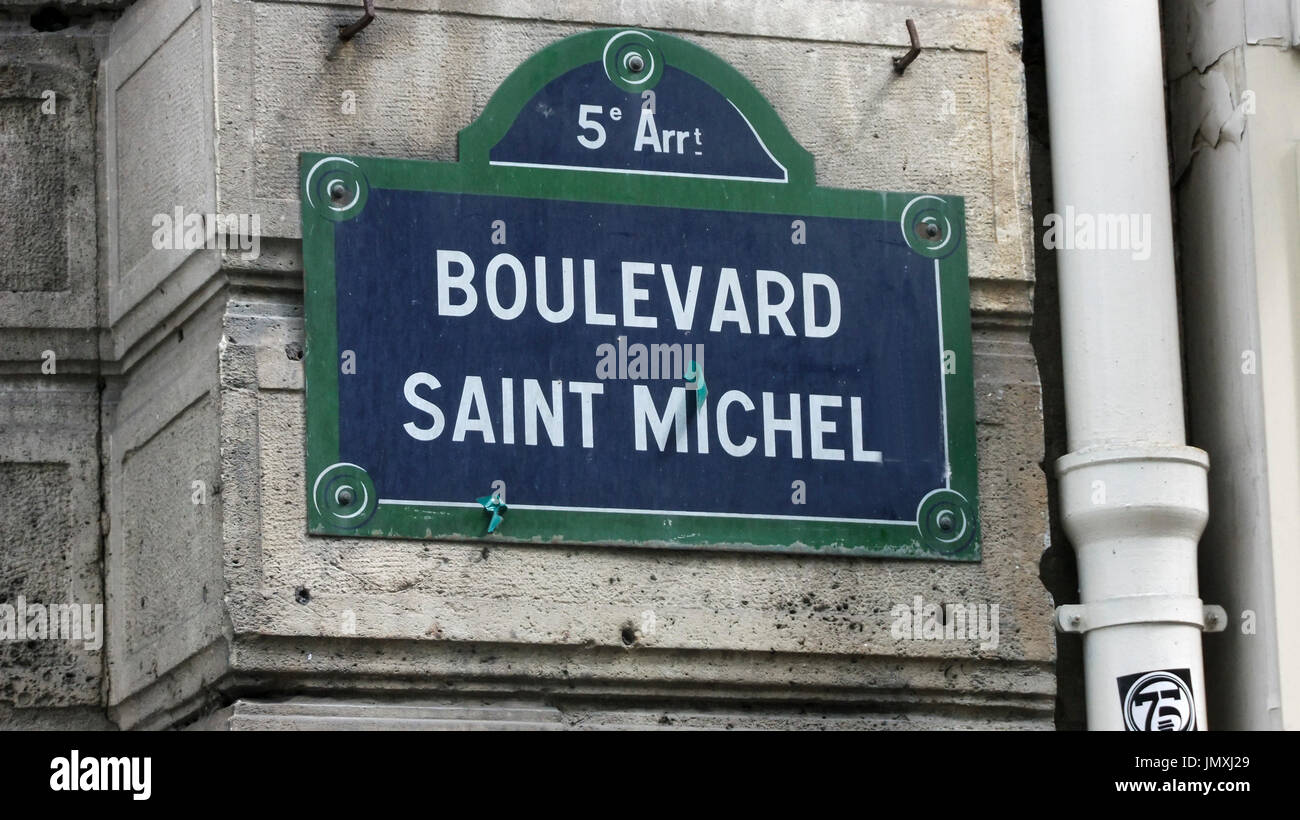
<point>49,541</point>
<point>48,285</point>
<point>164,583</point>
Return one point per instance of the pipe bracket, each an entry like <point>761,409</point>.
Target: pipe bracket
<point>1141,609</point>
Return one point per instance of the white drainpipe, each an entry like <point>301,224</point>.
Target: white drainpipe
<point>1133,495</point>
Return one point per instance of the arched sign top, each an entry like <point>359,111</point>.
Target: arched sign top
<point>629,101</point>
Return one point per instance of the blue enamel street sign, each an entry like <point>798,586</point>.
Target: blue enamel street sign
<point>628,316</point>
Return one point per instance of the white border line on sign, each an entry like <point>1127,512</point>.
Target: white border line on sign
<point>785,172</point>
<point>943,381</point>
<point>547,508</point>
<point>947,466</point>
<point>781,181</point>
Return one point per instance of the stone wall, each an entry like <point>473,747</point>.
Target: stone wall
<point>49,362</point>
<point>217,598</point>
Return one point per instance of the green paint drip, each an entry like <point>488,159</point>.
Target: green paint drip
<point>695,375</point>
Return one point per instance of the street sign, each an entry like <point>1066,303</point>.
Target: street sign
<point>628,316</point>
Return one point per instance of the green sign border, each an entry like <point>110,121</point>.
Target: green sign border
<point>335,187</point>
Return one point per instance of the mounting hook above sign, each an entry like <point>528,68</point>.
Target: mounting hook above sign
<point>353,29</point>
<point>901,63</point>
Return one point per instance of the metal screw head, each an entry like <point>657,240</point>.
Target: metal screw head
<point>945,521</point>
<point>932,230</point>
<point>635,64</point>
<point>338,191</point>
<point>345,497</point>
